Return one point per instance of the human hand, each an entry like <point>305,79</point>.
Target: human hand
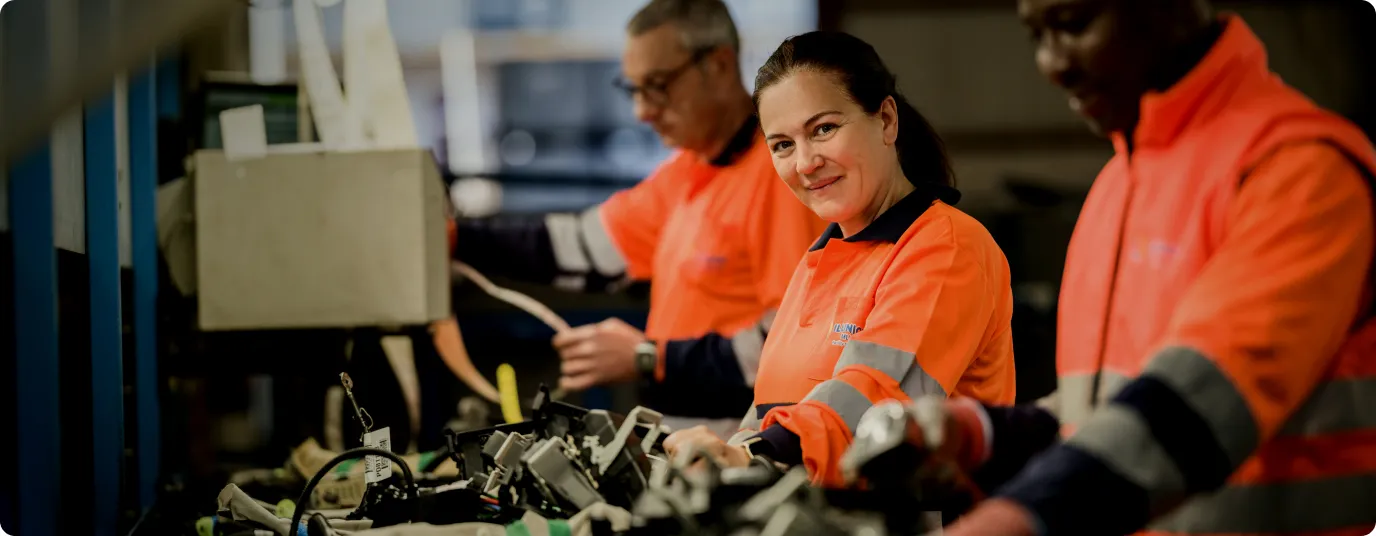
<point>944,433</point>
<point>597,354</point>
<point>702,439</point>
<point>995,517</point>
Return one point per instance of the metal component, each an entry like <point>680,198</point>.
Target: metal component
<point>640,416</point>
<point>494,444</point>
<point>507,460</point>
<point>882,429</point>
<point>769,500</point>
<point>364,419</point>
<point>548,463</point>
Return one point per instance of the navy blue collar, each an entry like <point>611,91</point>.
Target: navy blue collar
<point>895,221</point>
<point>740,142</point>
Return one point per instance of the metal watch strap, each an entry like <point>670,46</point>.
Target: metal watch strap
<point>646,359</point>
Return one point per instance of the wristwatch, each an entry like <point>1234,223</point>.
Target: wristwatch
<point>647,359</point>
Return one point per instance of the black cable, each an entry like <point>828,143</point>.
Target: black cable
<point>319,526</point>
<point>350,455</point>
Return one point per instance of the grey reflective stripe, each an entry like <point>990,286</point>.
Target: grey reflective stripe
<point>606,257</point>
<point>1118,436</point>
<point>845,399</point>
<point>1335,406</point>
<point>568,247</point>
<point>747,346</point>
<point>919,384</point>
<point>767,321</point>
<point>891,361</point>
<point>752,419</point>
<point>750,425</point>
<point>1073,391</point>
<point>1326,504</point>
<point>1212,396</point>
<point>897,364</point>
<point>1051,403</point>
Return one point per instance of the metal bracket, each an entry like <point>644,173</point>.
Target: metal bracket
<point>603,456</point>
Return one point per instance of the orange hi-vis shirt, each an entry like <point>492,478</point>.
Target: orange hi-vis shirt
<point>718,243</point>
<point>1216,357</point>
<point>917,303</point>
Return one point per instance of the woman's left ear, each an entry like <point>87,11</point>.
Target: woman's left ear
<point>888,117</point>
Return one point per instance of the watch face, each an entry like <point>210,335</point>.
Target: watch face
<point>646,358</point>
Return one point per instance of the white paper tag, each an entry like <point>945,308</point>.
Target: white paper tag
<point>243,134</point>
<point>377,468</point>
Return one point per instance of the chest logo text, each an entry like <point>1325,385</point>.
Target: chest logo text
<point>843,332</point>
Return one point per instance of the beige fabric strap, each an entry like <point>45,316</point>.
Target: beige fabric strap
<point>449,341</point>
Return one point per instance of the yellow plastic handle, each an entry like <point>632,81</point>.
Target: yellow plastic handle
<point>506,387</point>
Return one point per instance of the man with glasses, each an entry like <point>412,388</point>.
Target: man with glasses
<point>713,229</point>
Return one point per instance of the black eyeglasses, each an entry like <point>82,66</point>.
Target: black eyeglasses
<point>657,91</point>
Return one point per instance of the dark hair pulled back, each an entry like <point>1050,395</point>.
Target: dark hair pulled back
<point>865,78</point>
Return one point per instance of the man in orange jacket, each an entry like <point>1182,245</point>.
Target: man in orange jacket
<point>713,228</point>
<point>1216,351</point>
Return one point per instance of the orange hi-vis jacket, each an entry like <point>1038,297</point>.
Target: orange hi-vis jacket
<point>1216,357</point>
<point>718,243</point>
<point>916,303</point>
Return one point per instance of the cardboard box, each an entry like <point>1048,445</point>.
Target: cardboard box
<point>320,240</point>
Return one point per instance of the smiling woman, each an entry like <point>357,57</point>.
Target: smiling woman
<point>903,296</point>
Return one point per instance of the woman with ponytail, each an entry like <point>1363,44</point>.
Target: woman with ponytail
<point>903,296</point>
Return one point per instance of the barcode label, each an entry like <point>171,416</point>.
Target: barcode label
<point>377,468</point>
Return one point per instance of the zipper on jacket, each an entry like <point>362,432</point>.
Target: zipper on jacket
<point>1101,358</point>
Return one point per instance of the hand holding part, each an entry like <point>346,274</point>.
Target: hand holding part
<point>598,354</point>
<point>925,439</point>
<point>704,440</point>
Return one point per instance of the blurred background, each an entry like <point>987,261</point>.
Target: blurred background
<point>516,92</point>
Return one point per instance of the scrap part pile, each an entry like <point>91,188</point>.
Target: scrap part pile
<point>592,472</point>
<point>564,459</point>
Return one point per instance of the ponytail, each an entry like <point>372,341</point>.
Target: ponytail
<point>921,152</point>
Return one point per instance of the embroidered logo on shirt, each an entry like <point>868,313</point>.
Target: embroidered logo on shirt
<point>707,263</point>
<point>843,332</point>
<point>1156,253</point>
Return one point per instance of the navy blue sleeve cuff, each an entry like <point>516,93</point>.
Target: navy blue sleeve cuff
<point>1019,433</point>
<point>1073,492</point>
<point>513,246</point>
<point>694,366</point>
<point>709,360</point>
<point>779,444</point>
<point>519,247</point>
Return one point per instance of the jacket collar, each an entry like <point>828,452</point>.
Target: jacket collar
<point>739,143</point>
<point>895,221</point>
<point>1235,60</point>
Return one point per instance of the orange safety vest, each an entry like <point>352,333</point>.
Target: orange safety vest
<point>1148,228</point>
<point>917,303</point>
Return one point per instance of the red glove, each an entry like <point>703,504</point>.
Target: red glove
<point>995,517</point>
